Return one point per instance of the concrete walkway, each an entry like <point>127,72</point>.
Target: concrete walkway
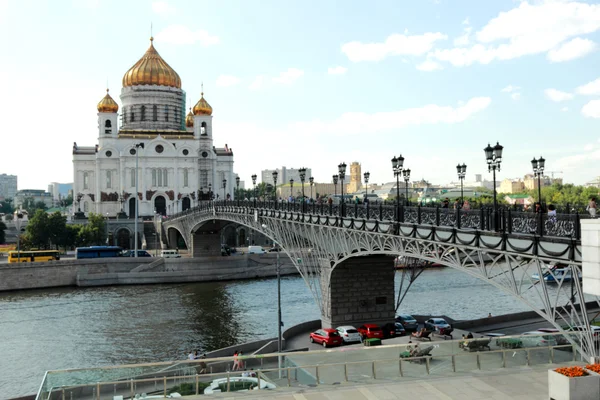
<point>514,384</point>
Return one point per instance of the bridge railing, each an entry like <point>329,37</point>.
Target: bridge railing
<point>485,219</point>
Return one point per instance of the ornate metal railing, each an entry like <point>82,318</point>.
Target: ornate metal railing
<point>483,219</point>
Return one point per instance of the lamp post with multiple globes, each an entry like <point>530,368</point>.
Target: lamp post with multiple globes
<point>493,157</point>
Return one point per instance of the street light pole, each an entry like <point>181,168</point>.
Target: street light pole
<point>461,170</point>
<point>302,172</point>
<point>254,188</point>
<point>406,174</point>
<point>107,232</point>
<point>366,175</point>
<point>237,186</point>
<point>538,171</point>
<point>210,194</point>
<point>335,181</point>
<point>311,180</point>
<point>397,164</point>
<point>493,157</point>
<point>137,199</point>
<point>18,219</point>
<point>291,190</point>
<point>224,187</point>
<point>342,174</point>
<point>275,188</point>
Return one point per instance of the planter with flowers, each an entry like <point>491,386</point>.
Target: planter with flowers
<point>573,383</point>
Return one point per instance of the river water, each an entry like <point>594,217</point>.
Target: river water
<point>75,328</point>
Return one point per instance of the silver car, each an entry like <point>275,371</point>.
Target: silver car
<point>537,339</point>
<point>349,334</point>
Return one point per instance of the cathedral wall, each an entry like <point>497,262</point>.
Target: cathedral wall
<point>169,104</point>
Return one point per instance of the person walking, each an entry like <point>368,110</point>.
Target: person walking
<point>466,205</point>
<point>235,361</point>
<point>591,207</point>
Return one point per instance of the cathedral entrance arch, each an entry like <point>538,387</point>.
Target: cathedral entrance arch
<point>185,204</point>
<point>132,207</point>
<point>160,205</point>
<point>124,238</point>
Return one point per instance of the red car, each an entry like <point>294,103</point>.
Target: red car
<point>327,337</point>
<point>369,331</point>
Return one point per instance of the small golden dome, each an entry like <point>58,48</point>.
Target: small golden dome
<point>202,107</point>
<point>107,104</point>
<point>151,69</point>
<point>189,119</point>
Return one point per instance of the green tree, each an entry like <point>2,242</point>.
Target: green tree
<point>31,205</point>
<point>6,206</point>
<point>40,205</point>
<point>2,233</point>
<point>71,236</point>
<point>57,226</point>
<point>38,231</point>
<point>97,229</point>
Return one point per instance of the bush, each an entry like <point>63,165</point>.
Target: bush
<point>186,389</point>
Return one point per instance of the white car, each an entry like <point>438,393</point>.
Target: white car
<point>537,339</point>
<point>349,333</point>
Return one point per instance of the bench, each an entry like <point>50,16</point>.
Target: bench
<point>476,344</point>
<point>421,335</point>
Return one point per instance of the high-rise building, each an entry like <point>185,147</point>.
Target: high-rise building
<point>283,175</point>
<point>167,155</point>
<point>59,190</point>
<point>354,182</point>
<point>8,186</point>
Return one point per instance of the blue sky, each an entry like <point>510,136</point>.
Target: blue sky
<point>314,83</point>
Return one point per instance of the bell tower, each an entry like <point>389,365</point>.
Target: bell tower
<point>107,116</point>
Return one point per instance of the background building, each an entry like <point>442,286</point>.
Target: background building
<point>8,186</point>
<point>35,195</point>
<point>178,163</point>
<point>60,190</point>
<point>283,175</point>
<point>511,186</point>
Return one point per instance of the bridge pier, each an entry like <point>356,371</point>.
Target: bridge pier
<point>361,290</point>
<point>206,240</point>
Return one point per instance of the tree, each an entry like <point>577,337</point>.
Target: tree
<point>2,233</point>
<point>57,227</point>
<point>71,236</point>
<point>6,206</point>
<point>31,205</point>
<point>97,229</point>
<point>38,231</point>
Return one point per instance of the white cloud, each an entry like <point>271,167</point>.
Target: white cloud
<point>510,88</point>
<point>429,65</point>
<point>394,45</point>
<point>591,109</point>
<point>257,83</point>
<point>557,95</point>
<point>530,29</point>
<point>564,109</point>
<point>163,8</point>
<point>181,34</point>
<point>337,70</point>
<point>515,96</point>
<point>227,80</point>
<point>464,39</point>
<point>571,50</point>
<point>590,88</point>
<point>288,77</point>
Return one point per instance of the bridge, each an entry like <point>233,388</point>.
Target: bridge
<point>345,253</point>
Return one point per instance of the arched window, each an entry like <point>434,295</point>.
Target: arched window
<point>153,177</point>
<point>86,180</point>
<point>167,113</point>
<point>132,115</point>
<point>107,127</point>
<point>154,113</point>
<point>159,181</point>
<point>185,178</point>
<point>143,117</point>
<point>108,180</point>
<point>165,175</point>
<point>203,128</point>
<point>86,207</point>
<point>124,115</point>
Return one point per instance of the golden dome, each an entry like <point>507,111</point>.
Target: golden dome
<point>202,107</point>
<point>107,104</point>
<point>189,119</point>
<point>151,69</point>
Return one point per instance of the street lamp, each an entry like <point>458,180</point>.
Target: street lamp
<point>397,164</point>
<point>291,189</point>
<point>302,172</point>
<point>461,170</point>
<point>137,199</point>
<point>493,157</point>
<point>107,231</point>
<point>366,175</point>
<point>406,174</point>
<point>538,171</point>
<point>224,187</point>
<point>254,188</point>
<point>18,220</point>
<point>342,173</point>
<point>237,185</point>
<point>210,195</point>
<point>275,188</point>
<point>311,180</point>
<point>279,322</point>
<point>335,181</point>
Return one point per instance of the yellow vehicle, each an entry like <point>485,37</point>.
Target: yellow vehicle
<point>33,256</point>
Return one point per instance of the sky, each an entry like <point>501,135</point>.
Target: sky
<point>314,83</point>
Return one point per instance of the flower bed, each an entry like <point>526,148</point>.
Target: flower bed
<point>572,372</point>
<point>593,367</point>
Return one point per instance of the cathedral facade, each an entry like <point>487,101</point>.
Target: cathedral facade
<point>177,163</point>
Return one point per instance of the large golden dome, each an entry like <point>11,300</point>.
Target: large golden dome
<point>202,107</point>
<point>151,69</point>
<point>189,119</point>
<point>107,104</point>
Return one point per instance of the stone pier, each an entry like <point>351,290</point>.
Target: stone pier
<point>361,290</point>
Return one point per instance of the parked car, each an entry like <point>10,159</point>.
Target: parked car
<point>595,330</point>
<point>537,339</point>
<point>560,339</point>
<point>256,250</point>
<point>349,333</point>
<point>170,254</point>
<point>408,322</point>
<point>274,249</point>
<point>326,337</point>
<point>370,331</point>
<point>131,253</point>
<point>393,329</point>
<point>435,324</point>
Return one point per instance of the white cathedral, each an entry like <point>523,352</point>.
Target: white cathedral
<point>178,165</point>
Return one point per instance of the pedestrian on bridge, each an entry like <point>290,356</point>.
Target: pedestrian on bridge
<point>591,208</point>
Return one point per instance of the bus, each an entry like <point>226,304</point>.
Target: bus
<point>99,252</point>
<point>33,256</point>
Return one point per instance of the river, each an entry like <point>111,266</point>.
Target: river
<point>74,328</point>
